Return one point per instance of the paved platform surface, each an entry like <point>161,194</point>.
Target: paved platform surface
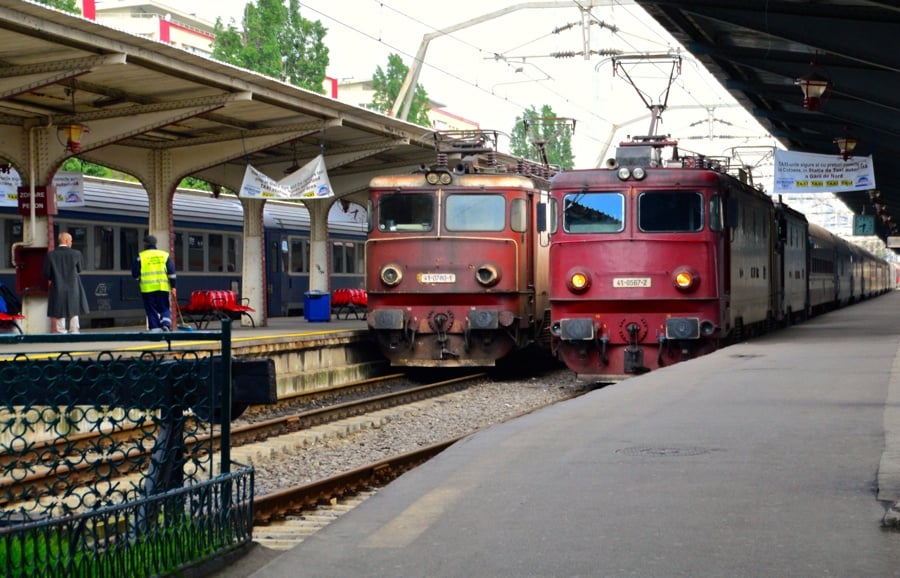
<point>775,457</point>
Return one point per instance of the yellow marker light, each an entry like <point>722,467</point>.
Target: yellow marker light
<point>686,279</point>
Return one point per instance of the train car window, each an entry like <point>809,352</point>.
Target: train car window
<point>360,252</point>
<point>104,248</point>
<point>178,251</point>
<point>231,254</point>
<point>216,252</point>
<point>337,257</point>
<point>350,259</point>
<point>79,242</point>
<point>518,215</point>
<point>12,233</point>
<point>299,261</point>
<point>670,211</point>
<point>475,213</point>
<point>406,212</point>
<point>596,212</point>
<point>196,246</point>
<point>128,247</point>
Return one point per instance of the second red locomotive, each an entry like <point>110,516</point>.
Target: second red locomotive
<point>456,262</point>
<point>651,265</point>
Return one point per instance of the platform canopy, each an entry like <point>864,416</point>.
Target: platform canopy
<point>763,51</point>
<point>134,96</point>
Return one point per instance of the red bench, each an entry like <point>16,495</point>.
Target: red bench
<point>8,322</point>
<point>348,302</point>
<point>212,305</point>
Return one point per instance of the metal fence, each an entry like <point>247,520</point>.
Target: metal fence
<point>112,461</point>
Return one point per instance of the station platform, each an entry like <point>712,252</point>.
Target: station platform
<point>277,328</point>
<point>775,457</point>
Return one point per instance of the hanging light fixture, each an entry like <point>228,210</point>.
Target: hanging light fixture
<point>69,134</point>
<point>846,144</point>
<point>814,85</point>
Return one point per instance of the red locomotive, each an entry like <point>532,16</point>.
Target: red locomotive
<point>651,265</point>
<point>456,263</point>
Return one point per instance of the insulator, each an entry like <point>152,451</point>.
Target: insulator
<point>442,160</point>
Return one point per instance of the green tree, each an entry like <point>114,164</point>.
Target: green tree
<point>277,41</point>
<point>76,165</point>
<point>64,5</point>
<point>542,131</point>
<point>387,83</point>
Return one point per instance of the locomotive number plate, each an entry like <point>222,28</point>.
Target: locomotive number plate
<point>437,277</point>
<point>631,282</point>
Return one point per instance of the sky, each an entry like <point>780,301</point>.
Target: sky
<point>493,70</point>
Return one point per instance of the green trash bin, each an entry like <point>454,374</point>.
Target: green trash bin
<point>316,306</point>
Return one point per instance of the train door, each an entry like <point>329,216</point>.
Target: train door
<point>277,282</point>
<point>779,275</point>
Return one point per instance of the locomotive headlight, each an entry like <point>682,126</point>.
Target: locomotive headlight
<point>438,177</point>
<point>578,280</point>
<point>623,173</point>
<point>487,275</point>
<point>391,275</point>
<point>639,173</point>
<point>685,279</point>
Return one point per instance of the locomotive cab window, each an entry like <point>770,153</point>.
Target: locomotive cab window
<point>476,213</point>
<point>518,215</point>
<point>715,213</point>
<point>406,212</point>
<point>594,212</point>
<point>670,211</point>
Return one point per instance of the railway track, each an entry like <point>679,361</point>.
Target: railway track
<point>285,518</point>
<point>288,515</point>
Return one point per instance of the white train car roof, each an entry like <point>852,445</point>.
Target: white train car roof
<point>128,201</point>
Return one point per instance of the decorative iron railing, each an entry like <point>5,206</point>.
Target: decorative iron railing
<point>117,462</point>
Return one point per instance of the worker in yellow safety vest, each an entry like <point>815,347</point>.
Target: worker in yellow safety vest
<point>155,272</point>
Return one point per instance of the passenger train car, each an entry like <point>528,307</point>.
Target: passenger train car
<point>653,264</point>
<point>207,249</point>
<point>456,259</point>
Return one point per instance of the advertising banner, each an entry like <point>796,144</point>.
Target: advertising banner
<point>69,189</point>
<point>813,173</point>
<point>308,182</point>
<point>257,185</point>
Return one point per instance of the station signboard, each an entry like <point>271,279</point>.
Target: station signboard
<point>45,201</point>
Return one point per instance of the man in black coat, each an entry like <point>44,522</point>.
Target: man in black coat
<point>67,299</point>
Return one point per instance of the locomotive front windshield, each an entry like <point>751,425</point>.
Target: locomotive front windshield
<point>476,213</point>
<point>594,212</point>
<point>406,212</point>
<point>670,211</point>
